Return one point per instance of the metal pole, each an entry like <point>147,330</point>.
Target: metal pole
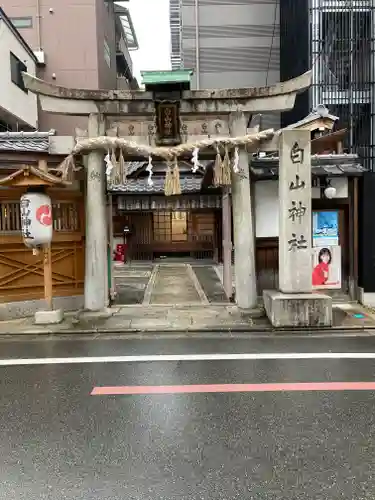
<point>38,25</point>
<point>197,58</point>
<point>227,242</point>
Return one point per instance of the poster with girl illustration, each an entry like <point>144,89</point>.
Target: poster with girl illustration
<point>326,267</point>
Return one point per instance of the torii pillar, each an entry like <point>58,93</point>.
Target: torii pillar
<point>96,263</point>
<point>243,231</point>
<point>236,104</point>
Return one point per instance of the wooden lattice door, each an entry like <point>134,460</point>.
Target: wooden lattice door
<point>21,272</point>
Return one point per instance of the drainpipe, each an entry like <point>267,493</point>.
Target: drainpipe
<point>38,31</point>
<point>197,62</point>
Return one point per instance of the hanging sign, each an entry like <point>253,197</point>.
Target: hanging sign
<point>36,219</point>
<point>325,228</point>
<point>168,123</point>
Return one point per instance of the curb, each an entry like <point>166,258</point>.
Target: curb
<point>245,331</point>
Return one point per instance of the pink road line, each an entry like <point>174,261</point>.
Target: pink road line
<point>274,387</point>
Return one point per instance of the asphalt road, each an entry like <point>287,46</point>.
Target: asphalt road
<point>181,426</point>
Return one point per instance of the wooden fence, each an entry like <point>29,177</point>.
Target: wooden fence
<point>21,272</point>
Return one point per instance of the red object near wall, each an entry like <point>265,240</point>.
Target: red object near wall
<point>120,252</point>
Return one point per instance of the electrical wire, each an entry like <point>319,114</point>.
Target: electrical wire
<point>272,40</point>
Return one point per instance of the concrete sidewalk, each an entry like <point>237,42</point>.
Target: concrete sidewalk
<point>128,319</point>
<point>193,318</point>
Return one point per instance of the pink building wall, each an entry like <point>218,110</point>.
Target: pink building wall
<point>72,36</point>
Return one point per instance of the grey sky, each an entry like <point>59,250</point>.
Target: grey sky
<point>151,22</point>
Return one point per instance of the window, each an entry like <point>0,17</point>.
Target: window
<point>162,226</point>
<point>10,217</point>
<point>22,22</point>
<point>170,226</point>
<point>107,53</point>
<point>65,217</point>
<point>346,42</point>
<point>16,69</point>
<point>179,226</point>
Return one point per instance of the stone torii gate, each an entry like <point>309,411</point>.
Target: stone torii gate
<point>227,111</point>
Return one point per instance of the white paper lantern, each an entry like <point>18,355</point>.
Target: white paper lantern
<point>330,192</point>
<point>36,219</point>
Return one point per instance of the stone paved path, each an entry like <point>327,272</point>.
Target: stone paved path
<point>168,284</point>
<point>210,283</point>
<point>131,283</point>
<point>175,285</point>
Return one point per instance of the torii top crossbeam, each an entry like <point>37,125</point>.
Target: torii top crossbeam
<point>82,102</point>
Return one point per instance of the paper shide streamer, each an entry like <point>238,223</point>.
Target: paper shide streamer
<point>118,170</point>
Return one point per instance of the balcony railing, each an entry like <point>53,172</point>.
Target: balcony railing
<point>122,49</point>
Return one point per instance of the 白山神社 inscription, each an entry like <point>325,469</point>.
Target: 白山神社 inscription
<point>295,212</point>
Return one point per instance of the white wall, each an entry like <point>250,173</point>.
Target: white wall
<point>22,105</point>
<point>266,209</point>
<point>267,204</point>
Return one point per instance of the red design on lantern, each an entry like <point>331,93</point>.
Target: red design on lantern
<point>44,215</point>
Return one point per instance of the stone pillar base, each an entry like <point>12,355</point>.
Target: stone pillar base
<point>49,317</point>
<point>367,298</point>
<point>297,310</point>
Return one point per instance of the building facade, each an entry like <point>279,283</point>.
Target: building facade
<point>77,44</point>
<point>188,225</point>
<point>340,50</point>
<point>282,40</point>
<point>18,108</point>
<point>229,43</point>
<point>241,43</point>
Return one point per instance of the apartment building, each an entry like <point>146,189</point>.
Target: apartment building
<point>229,43</point>
<point>18,108</point>
<point>76,44</point>
<point>244,43</point>
<point>336,39</point>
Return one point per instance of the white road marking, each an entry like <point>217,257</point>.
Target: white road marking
<point>187,357</point>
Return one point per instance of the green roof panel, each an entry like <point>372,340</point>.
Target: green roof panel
<point>157,77</point>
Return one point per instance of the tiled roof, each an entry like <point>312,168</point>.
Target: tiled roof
<point>173,76</point>
<point>25,141</point>
<point>319,112</point>
<point>189,184</point>
<point>133,166</point>
<point>331,165</point>
<point>32,145</point>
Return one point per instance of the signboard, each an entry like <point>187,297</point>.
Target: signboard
<point>326,267</point>
<point>325,228</point>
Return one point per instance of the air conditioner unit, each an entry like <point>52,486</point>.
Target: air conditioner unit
<point>41,57</point>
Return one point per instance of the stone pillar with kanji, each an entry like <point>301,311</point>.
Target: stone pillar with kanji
<point>295,212</point>
<point>294,304</point>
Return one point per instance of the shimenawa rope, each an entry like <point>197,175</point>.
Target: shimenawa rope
<point>170,154</point>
